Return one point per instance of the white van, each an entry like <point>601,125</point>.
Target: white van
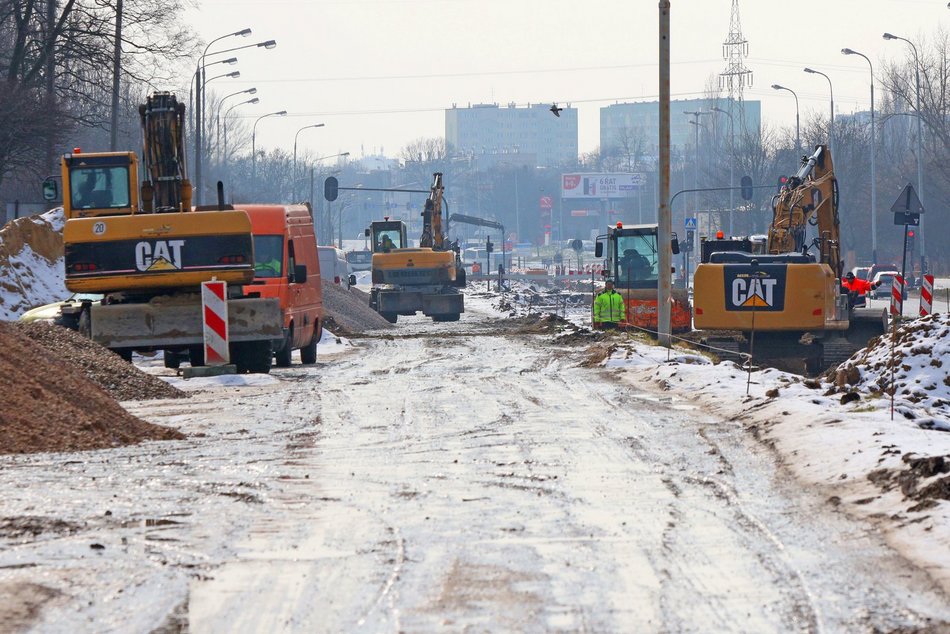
<point>333,266</point>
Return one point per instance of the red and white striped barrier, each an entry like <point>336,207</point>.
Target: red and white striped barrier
<point>897,295</point>
<point>926,295</point>
<point>214,319</point>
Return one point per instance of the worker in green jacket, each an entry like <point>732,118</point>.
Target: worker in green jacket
<point>609,308</point>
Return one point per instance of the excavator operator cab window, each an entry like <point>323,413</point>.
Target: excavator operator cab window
<point>105,187</point>
<point>388,239</point>
<point>636,261</point>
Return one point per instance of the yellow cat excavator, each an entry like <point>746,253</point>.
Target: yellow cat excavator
<point>791,295</point>
<point>147,251</point>
<point>407,280</point>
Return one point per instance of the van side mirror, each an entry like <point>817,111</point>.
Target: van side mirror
<point>352,280</point>
<point>599,249</point>
<point>675,244</point>
<point>50,190</point>
<point>300,274</point>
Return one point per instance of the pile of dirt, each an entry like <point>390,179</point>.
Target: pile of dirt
<point>122,380</point>
<point>31,258</point>
<point>911,366</point>
<point>348,312</point>
<point>50,405</point>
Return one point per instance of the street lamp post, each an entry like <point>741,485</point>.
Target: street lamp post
<point>696,115</point>
<point>732,161</point>
<point>199,99</point>
<point>279,113</point>
<point>798,126</point>
<point>224,120</point>
<point>848,51</point>
<point>920,157</point>
<point>255,100</point>
<point>195,86</point>
<point>294,179</point>
<point>831,133</point>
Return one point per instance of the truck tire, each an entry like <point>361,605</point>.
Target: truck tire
<point>196,356</point>
<point>125,353</point>
<point>172,359</point>
<point>252,357</point>
<point>282,357</point>
<point>308,354</point>
<point>390,317</point>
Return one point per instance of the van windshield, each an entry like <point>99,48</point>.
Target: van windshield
<point>268,256</point>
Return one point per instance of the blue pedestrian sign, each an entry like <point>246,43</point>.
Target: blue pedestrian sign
<point>690,224</point>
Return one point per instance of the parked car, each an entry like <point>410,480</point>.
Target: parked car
<point>886,279</point>
<point>334,267</point>
<point>55,312</point>
<point>360,260</point>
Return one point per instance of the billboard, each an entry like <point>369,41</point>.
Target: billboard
<point>601,185</point>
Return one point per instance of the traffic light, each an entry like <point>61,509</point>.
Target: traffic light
<point>489,247</point>
<point>746,188</point>
<point>911,234</point>
<point>782,181</point>
<point>330,188</point>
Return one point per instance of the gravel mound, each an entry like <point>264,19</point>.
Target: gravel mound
<point>349,311</point>
<point>122,380</point>
<point>50,405</point>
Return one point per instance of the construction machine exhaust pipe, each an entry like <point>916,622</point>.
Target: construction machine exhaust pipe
<point>220,196</point>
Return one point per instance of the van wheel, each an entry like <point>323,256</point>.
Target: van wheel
<point>308,354</point>
<point>172,359</point>
<point>252,357</point>
<point>282,356</point>
<point>196,356</point>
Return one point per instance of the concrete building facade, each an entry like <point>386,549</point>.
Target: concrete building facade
<point>490,129</point>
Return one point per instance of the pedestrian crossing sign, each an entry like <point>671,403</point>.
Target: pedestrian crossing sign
<point>690,223</point>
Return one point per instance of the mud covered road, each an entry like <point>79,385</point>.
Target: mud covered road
<point>480,481</point>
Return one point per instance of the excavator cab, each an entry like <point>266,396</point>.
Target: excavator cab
<point>632,264</point>
<point>388,235</point>
<point>100,184</point>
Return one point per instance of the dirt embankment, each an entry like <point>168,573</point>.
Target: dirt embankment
<point>50,402</point>
<point>347,312</point>
<point>31,259</point>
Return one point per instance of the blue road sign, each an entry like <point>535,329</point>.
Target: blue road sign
<point>690,223</point>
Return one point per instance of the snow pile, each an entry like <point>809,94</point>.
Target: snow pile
<point>31,259</point>
<point>916,363</point>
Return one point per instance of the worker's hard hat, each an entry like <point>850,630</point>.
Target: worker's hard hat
<point>850,275</point>
<point>720,235</point>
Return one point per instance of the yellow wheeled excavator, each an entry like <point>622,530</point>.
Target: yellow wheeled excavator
<point>790,297</point>
<point>147,251</point>
<point>428,278</point>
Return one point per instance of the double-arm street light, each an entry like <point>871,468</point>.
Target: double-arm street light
<point>732,161</point>
<point>200,97</point>
<point>294,179</point>
<point>920,157</point>
<point>279,113</point>
<point>199,104</point>
<point>831,132</point>
<point>848,51</point>
<point>798,126</point>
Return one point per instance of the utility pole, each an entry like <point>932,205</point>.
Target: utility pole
<point>116,70</point>
<point>665,228</point>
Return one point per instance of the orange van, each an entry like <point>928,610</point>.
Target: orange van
<point>286,266</point>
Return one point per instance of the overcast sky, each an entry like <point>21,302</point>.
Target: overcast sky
<point>379,73</point>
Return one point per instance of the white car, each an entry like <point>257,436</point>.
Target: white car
<point>333,266</point>
<point>886,280</point>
